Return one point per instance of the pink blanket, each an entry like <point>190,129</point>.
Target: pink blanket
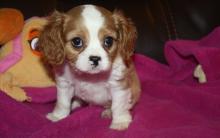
<point>172,105</point>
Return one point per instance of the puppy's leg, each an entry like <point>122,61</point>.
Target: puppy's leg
<point>121,103</point>
<point>76,103</point>
<point>107,113</point>
<point>63,106</point>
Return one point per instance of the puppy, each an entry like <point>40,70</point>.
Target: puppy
<point>90,49</point>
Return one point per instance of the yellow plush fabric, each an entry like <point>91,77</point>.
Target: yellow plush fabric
<point>30,70</point>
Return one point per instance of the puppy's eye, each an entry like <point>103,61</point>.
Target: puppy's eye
<point>108,41</point>
<point>77,42</point>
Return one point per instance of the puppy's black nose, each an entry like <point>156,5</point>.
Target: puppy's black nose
<point>95,60</point>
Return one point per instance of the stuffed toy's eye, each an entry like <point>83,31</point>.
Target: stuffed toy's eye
<point>33,43</point>
<point>108,41</point>
<point>77,42</point>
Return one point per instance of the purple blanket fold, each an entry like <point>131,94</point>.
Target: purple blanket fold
<point>172,105</point>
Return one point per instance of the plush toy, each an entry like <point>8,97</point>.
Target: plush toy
<point>11,23</point>
<point>21,64</point>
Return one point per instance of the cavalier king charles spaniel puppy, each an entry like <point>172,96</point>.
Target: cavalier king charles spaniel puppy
<point>90,50</point>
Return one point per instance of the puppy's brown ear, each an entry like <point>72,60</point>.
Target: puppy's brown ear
<point>51,41</point>
<point>127,35</point>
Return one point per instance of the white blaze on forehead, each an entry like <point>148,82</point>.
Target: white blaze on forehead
<point>93,19</point>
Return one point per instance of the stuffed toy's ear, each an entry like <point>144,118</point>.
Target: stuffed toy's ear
<point>11,23</point>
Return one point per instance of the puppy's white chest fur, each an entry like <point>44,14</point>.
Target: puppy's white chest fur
<point>95,89</point>
<point>97,93</point>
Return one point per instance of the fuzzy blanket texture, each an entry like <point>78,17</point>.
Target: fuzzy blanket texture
<point>172,105</point>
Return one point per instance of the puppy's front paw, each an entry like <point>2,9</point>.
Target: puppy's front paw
<point>121,122</point>
<point>120,126</point>
<point>54,117</point>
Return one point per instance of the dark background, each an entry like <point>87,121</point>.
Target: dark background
<point>157,20</point>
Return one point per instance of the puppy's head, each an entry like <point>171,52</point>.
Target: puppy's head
<point>88,37</point>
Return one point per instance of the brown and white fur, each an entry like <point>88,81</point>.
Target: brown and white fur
<point>90,49</point>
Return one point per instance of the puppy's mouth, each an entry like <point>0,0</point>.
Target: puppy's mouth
<point>93,70</point>
<point>90,69</point>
